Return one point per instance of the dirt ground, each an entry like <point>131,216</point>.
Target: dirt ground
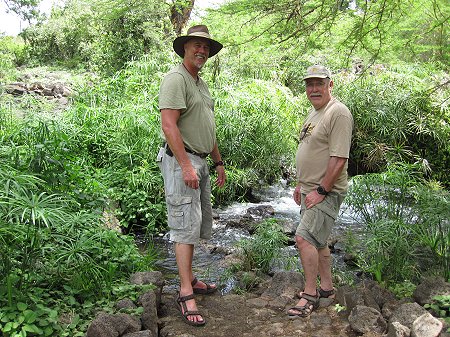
<point>251,315</point>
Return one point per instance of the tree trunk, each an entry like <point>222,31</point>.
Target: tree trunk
<point>180,13</point>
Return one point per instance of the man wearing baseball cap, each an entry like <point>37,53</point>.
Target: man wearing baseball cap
<point>321,162</point>
<point>189,132</point>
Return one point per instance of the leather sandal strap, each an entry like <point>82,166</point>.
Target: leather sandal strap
<point>192,313</point>
<point>309,298</point>
<point>194,281</point>
<point>185,298</point>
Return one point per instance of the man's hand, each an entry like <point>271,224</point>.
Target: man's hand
<point>313,198</point>
<point>221,176</point>
<point>190,176</point>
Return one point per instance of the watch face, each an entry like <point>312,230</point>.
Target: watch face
<point>321,190</point>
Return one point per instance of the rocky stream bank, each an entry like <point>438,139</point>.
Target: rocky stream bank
<point>368,310</point>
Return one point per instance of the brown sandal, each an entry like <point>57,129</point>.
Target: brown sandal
<point>308,308</point>
<point>326,293</point>
<point>209,289</point>
<point>185,313</point>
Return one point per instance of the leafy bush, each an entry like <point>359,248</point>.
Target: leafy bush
<point>405,224</point>
<point>440,307</point>
<point>257,253</point>
<point>99,34</point>
<point>398,117</point>
<point>257,125</point>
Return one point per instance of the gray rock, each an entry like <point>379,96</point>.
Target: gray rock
<point>389,308</point>
<point>364,319</point>
<point>407,313</point>
<point>429,288</point>
<point>150,277</point>
<point>125,304</point>
<point>149,316</point>
<point>285,284</point>
<point>395,329</point>
<point>380,295</point>
<point>107,325</point>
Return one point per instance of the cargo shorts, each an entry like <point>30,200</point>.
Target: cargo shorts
<point>189,211</point>
<point>316,222</point>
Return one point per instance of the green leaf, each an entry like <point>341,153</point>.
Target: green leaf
<point>48,331</point>
<point>22,306</point>
<point>30,316</point>
<point>31,328</point>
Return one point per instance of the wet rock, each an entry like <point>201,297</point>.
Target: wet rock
<point>262,211</point>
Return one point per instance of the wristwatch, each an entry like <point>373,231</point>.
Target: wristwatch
<point>321,190</point>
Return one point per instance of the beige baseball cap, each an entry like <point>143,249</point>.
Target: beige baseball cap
<point>317,71</point>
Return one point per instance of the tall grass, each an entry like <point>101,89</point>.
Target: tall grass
<point>400,115</point>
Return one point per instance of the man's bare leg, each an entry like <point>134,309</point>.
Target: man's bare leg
<point>326,281</point>
<point>184,254</point>
<point>310,260</point>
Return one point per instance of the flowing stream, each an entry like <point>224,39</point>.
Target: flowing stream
<point>209,257</point>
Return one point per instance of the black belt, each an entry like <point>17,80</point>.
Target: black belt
<point>170,153</point>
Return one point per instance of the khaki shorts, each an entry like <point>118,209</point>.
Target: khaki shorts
<point>316,222</point>
<point>189,211</point>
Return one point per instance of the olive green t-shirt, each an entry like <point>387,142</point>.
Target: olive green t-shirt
<point>180,91</point>
<point>326,133</point>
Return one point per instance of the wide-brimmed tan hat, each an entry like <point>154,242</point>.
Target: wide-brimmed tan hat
<point>195,32</point>
<point>317,71</point>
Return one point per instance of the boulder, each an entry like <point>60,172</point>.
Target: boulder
<point>364,319</point>
<point>407,313</point>
<point>426,326</point>
<point>429,288</point>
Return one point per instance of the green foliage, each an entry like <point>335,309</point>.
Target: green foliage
<point>403,289</point>
<point>13,53</point>
<point>258,252</point>
<point>335,33</point>
<point>440,306</point>
<point>401,237</point>
<point>53,253</point>
<point>257,124</point>
<point>99,34</point>
<point>397,121</point>
<point>339,308</point>
<point>60,313</point>
<point>20,320</point>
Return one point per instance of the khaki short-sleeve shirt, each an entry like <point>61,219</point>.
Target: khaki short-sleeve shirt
<point>180,91</point>
<point>326,133</point>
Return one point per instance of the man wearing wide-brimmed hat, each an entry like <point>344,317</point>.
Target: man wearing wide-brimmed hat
<point>321,162</point>
<point>189,132</point>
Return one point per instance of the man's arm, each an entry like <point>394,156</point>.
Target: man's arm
<point>169,119</point>
<point>334,169</point>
